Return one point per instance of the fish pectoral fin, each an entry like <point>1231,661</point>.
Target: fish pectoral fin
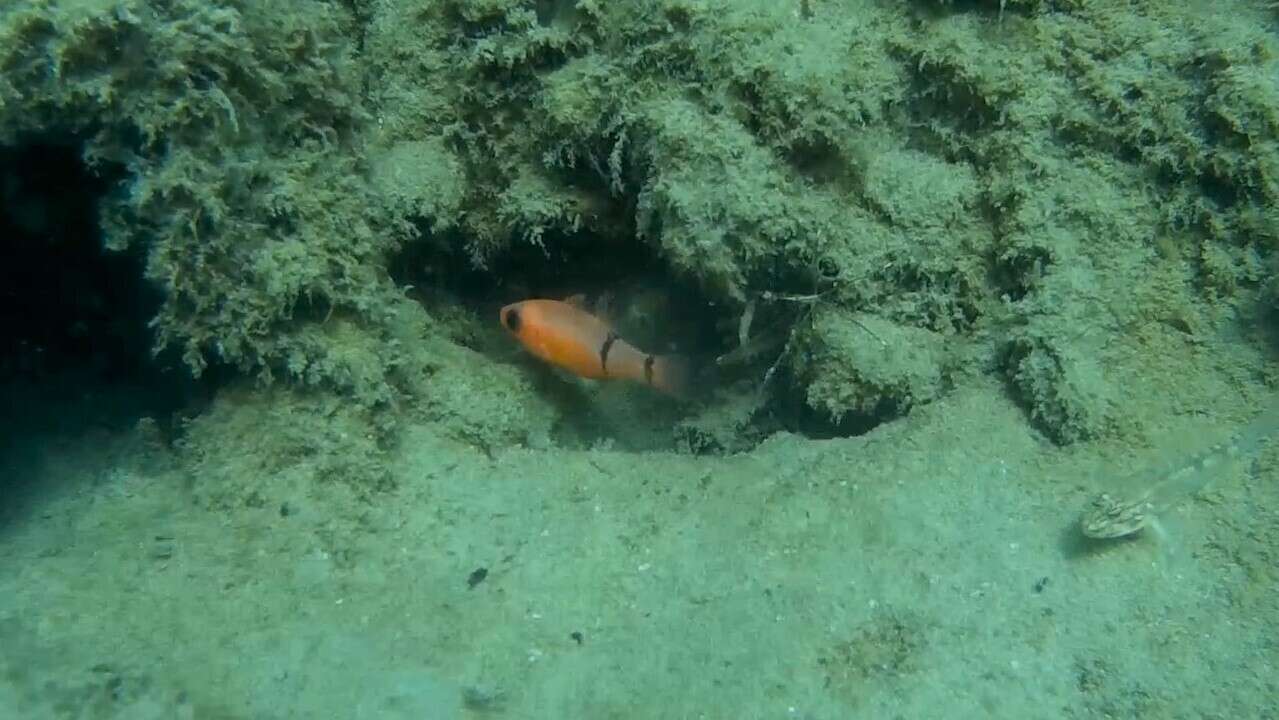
<point>575,380</point>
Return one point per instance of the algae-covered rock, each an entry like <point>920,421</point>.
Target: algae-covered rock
<point>858,363</point>
<point>1065,387</point>
<point>1056,358</point>
<point>239,125</point>
<point>419,178</point>
<point>919,191</point>
<point>717,230</point>
<point>721,428</point>
<point>487,404</point>
<point>937,168</point>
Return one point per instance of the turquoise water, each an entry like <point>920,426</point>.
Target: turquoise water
<point>944,273</point>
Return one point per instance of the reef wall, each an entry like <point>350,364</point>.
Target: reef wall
<point>1051,192</point>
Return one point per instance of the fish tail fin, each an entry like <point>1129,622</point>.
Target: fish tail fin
<point>673,375</point>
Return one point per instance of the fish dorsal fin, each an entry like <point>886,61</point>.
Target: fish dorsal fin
<point>604,307</point>
<point>600,306</point>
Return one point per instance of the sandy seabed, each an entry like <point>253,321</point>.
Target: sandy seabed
<point>930,566</point>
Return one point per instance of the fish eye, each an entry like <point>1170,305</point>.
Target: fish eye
<point>512,320</point>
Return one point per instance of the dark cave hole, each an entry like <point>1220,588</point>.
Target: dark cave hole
<point>651,308</point>
<point>647,305</point>
<point>75,348</point>
<point>688,323</point>
<point>821,426</point>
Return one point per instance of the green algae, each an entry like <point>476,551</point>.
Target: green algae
<point>1002,175</point>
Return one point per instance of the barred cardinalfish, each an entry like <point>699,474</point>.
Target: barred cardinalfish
<point>565,334</point>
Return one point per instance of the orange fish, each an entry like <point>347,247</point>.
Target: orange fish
<point>564,334</point>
